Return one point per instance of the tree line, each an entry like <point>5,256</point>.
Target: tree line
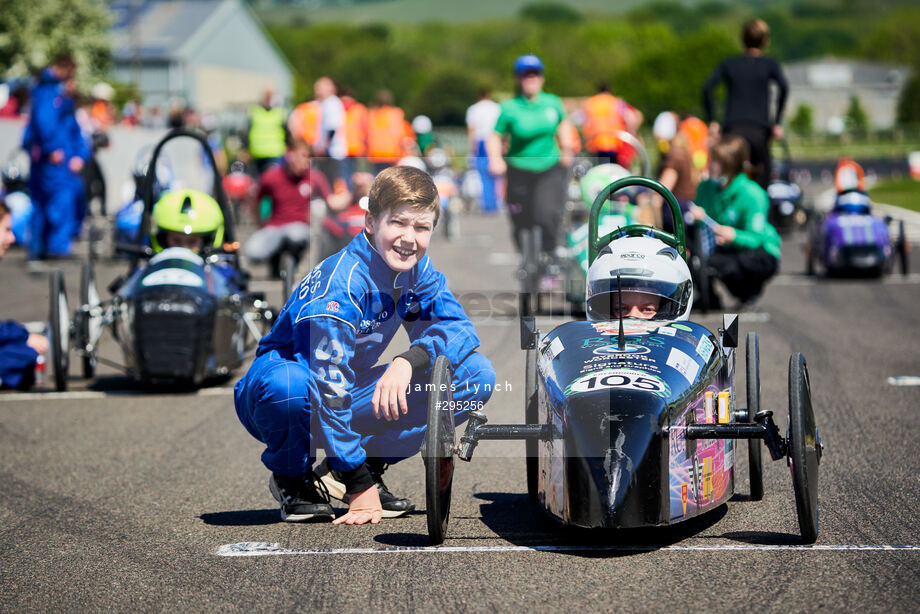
<point>656,56</point>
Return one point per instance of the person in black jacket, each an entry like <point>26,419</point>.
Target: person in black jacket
<point>747,106</point>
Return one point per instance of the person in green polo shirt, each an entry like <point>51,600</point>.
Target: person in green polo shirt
<point>535,162</point>
<point>747,250</point>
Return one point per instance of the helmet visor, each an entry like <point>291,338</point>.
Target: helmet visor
<point>641,298</point>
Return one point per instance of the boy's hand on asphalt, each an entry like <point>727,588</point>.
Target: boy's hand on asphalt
<point>390,393</point>
<point>364,507</point>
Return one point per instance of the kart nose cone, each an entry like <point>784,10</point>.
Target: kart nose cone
<point>614,448</point>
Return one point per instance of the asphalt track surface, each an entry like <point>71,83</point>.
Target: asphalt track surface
<point>114,497</point>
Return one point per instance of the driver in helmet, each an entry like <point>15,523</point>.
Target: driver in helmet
<point>639,277</point>
<point>187,218</point>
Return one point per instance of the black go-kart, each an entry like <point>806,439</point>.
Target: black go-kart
<point>633,423</point>
<point>787,207</point>
<point>180,317</point>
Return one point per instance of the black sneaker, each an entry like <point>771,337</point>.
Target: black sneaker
<point>302,499</point>
<point>393,506</point>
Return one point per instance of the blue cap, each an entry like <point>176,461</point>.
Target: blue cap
<point>526,63</point>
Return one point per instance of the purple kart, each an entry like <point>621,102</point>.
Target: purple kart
<point>851,241</point>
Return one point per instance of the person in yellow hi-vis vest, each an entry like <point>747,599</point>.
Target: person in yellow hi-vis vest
<point>266,132</point>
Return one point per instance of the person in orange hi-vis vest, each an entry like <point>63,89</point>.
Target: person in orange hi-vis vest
<point>355,134</point>
<point>697,133</point>
<point>387,132</point>
<point>305,120</point>
<point>604,116</point>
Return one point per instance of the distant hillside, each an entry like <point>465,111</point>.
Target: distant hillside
<point>418,11</point>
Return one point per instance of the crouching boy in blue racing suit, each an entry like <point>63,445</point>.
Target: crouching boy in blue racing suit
<point>19,349</point>
<point>314,384</point>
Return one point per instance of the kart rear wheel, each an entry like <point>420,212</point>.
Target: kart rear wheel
<point>60,331</point>
<point>755,460</point>
<point>804,448</point>
<point>531,417</point>
<point>439,451</point>
<point>88,325</point>
<point>530,240</point>
<point>288,273</point>
<point>902,249</point>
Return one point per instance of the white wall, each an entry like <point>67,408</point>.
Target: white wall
<point>118,160</point>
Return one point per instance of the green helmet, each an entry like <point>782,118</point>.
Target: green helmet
<point>599,178</point>
<point>190,212</point>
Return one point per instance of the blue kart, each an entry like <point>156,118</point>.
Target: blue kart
<point>633,423</point>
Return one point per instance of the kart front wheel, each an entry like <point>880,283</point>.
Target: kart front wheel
<point>439,451</point>
<point>531,417</point>
<point>803,448</point>
<point>902,248</point>
<point>88,324</point>
<point>60,331</point>
<point>755,460</point>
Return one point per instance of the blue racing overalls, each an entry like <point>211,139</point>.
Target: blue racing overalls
<point>17,360</point>
<point>313,377</point>
<point>51,184</point>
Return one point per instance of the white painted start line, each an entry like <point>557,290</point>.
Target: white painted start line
<point>77,395</point>
<point>242,549</point>
<point>792,280</point>
<point>904,380</point>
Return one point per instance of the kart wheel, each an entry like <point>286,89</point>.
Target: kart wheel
<point>531,416</point>
<point>902,249</point>
<point>530,241</point>
<point>88,326</point>
<point>288,274</point>
<point>804,448</point>
<point>60,331</point>
<point>755,461</point>
<point>439,451</point>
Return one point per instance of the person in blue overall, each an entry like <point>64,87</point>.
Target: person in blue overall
<point>314,382</point>
<point>78,151</point>
<point>19,349</point>
<point>47,139</point>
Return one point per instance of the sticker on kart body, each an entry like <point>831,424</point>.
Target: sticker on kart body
<point>704,348</point>
<point>173,277</point>
<point>555,348</point>
<point>629,379</point>
<point>630,327</point>
<point>667,330</point>
<point>630,348</point>
<point>683,364</point>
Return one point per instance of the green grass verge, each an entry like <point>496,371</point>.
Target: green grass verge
<point>903,192</point>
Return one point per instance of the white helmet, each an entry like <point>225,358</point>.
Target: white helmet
<point>645,265</point>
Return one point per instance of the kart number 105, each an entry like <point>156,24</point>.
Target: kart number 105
<point>620,378</point>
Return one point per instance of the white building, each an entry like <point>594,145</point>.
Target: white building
<point>826,85</point>
<point>212,54</point>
